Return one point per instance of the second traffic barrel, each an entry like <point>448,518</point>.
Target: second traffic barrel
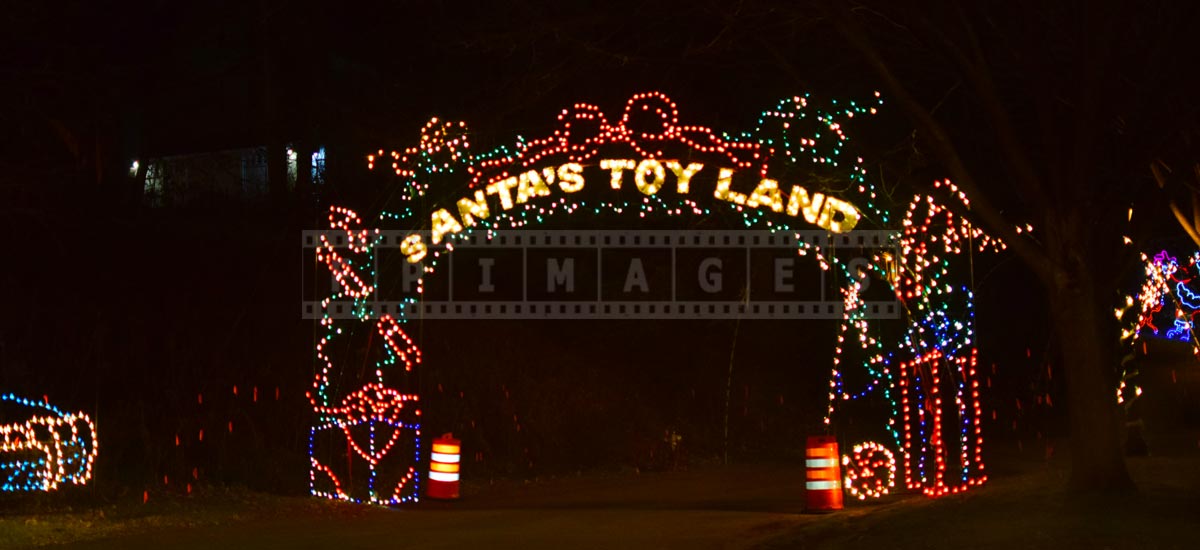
<point>823,486</point>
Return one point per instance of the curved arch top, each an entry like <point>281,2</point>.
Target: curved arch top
<point>648,149</point>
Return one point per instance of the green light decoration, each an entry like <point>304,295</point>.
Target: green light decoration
<point>367,421</point>
<point>929,377</point>
<point>669,167</point>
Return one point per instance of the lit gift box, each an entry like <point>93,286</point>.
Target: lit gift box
<point>367,450</point>
<point>943,443</point>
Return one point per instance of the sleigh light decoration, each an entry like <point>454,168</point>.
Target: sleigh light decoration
<point>48,450</point>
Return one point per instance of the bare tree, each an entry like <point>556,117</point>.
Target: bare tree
<point>1049,87</point>
<point>1190,224</point>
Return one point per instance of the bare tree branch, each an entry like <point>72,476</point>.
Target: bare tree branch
<point>979,74</point>
<point>1192,227</point>
<point>941,144</point>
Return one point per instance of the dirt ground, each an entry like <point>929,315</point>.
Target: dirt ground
<point>744,506</point>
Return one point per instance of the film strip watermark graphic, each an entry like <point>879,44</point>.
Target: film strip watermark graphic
<point>614,274</point>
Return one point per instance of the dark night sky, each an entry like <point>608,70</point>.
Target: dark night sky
<point>159,77</point>
<point>197,76</point>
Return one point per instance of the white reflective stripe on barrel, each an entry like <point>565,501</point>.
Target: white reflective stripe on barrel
<point>443,476</point>
<point>443,457</point>
<point>820,485</point>
<point>820,462</point>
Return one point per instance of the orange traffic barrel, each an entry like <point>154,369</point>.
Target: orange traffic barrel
<point>443,468</point>
<point>823,488</point>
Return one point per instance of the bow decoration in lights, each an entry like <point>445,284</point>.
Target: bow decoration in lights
<point>650,121</point>
<point>375,406</point>
<point>502,181</point>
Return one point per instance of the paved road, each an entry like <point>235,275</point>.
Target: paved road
<point>714,508</point>
<point>1023,507</point>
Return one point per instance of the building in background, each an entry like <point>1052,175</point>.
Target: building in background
<point>233,173</point>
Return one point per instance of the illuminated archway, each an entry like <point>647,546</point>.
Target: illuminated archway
<point>670,168</point>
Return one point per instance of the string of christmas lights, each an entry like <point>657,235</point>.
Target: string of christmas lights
<point>441,147</point>
<point>802,132</point>
<point>870,471</point>
<point>1166,284</point>
<point>371,420</point>
<point>649,121</point>
<point>503,183</point>
<point>47,450</point>
<point>923,403</point>
<point>1163,297</point>
<point>876,365</point>
<point>939,340</point>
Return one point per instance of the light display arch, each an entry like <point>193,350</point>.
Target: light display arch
<point>669,168</point>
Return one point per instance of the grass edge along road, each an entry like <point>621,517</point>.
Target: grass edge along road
<point>735,507</point>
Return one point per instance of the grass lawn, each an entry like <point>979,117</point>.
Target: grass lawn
<point>1024,505</point>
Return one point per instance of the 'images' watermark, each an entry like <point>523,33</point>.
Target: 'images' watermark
<point>530,274</point>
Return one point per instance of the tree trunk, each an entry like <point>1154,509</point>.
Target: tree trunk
<point>1089,361</point>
